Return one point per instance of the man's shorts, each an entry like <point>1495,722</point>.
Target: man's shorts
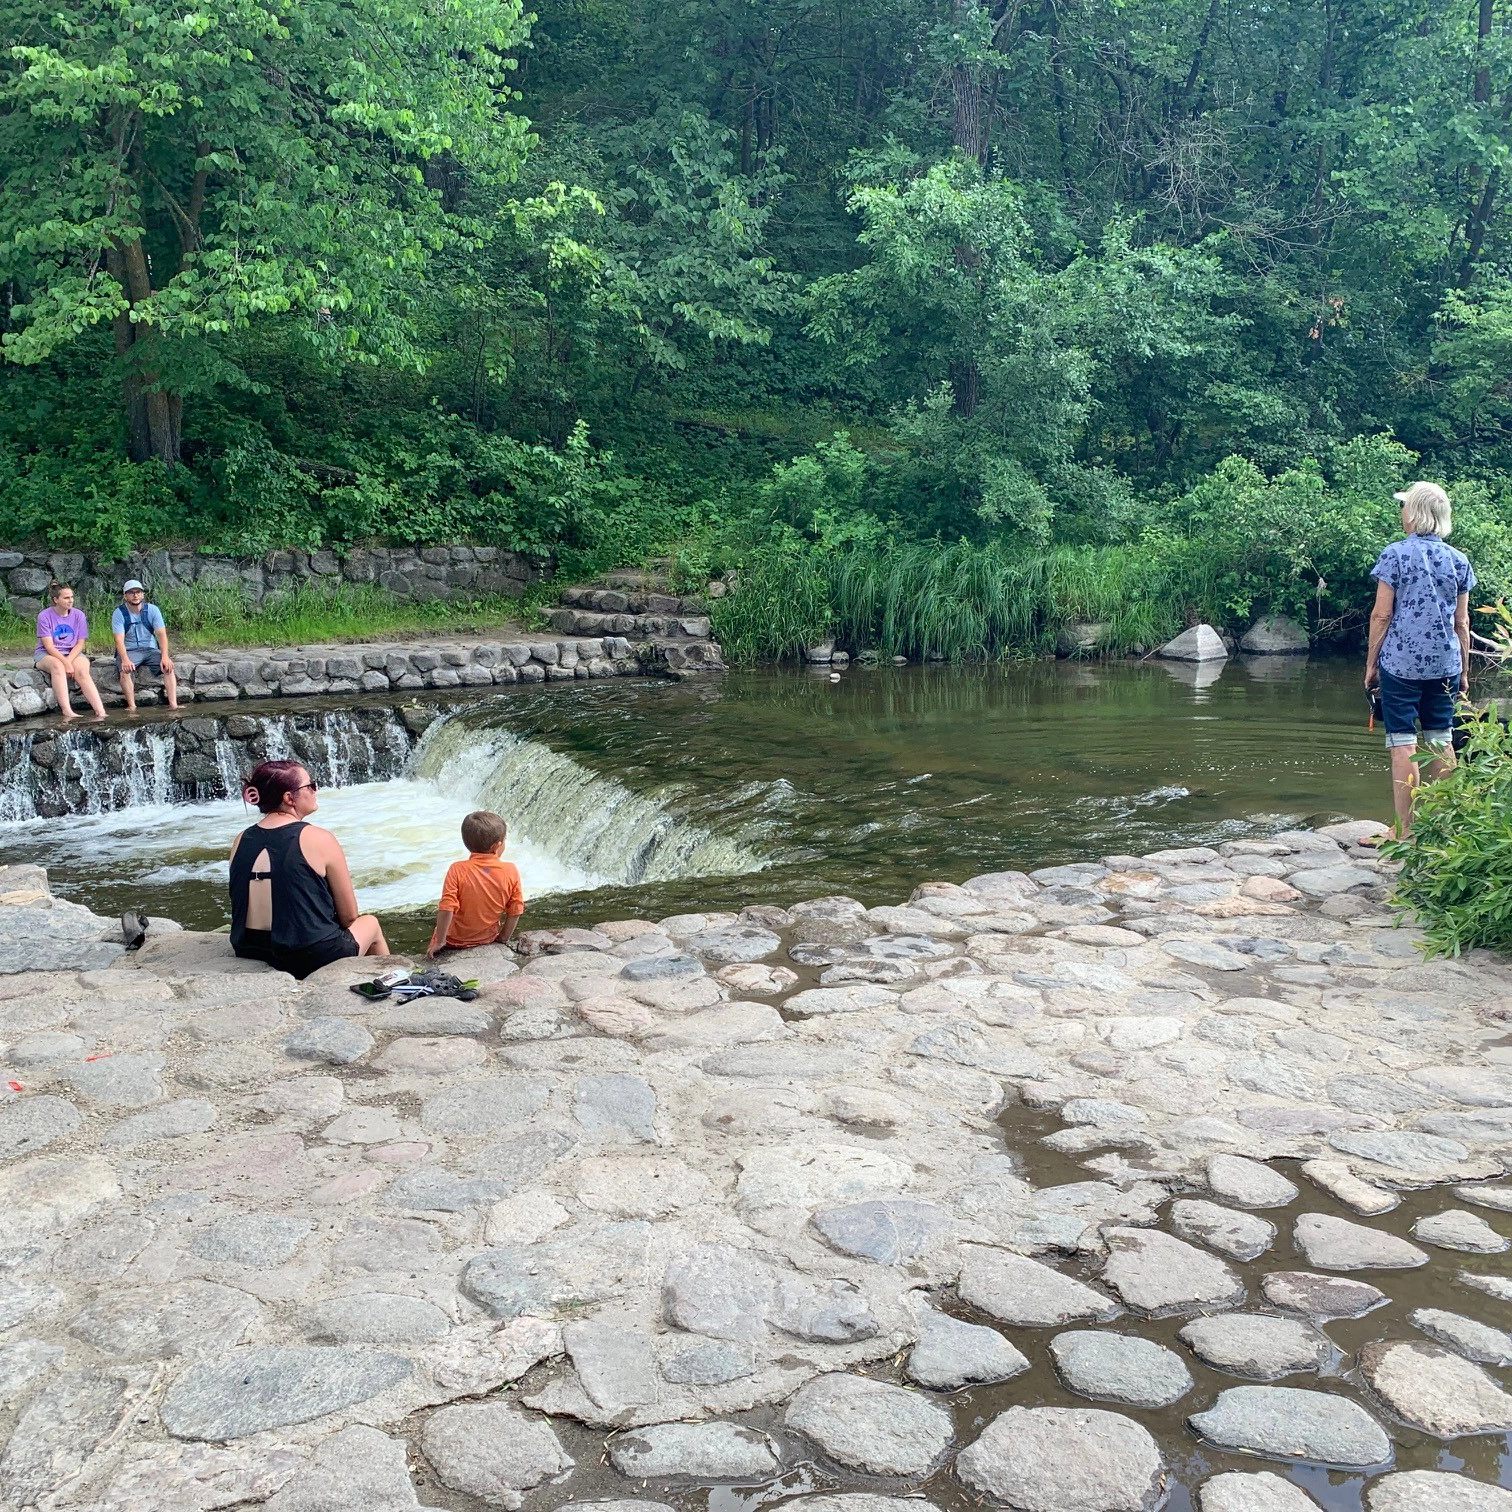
<point>1407,702</point>
<point>151,660</point>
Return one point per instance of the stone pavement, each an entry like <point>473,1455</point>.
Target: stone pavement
<point>858,1197</point>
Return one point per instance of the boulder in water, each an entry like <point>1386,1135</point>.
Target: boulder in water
<point>1201,643</point>
<point>1080,638</point>
<point>1275,635</point>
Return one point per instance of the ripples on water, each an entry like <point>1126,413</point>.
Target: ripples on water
<point>649,798</point>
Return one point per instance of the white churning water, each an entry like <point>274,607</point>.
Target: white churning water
<point>569,827</point>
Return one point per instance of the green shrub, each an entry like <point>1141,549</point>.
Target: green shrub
<point>1457,862</point>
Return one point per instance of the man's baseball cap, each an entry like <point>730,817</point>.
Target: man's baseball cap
<point>129,584</point>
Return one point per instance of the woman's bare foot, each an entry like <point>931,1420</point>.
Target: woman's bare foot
<point>66,718</point>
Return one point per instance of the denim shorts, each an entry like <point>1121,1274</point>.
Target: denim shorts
<point>1407,702</point>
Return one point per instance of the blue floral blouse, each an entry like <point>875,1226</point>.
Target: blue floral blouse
<point>1428,578</point>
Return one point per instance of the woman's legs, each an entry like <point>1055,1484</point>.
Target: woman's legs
<point>368,933</point>
<point>85,679</point>
<point>57,673</point>
<point>1404,783</point>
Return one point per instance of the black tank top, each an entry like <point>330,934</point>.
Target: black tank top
<point>304,913</point>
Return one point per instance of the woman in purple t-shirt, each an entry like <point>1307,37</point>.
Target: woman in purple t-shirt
<point>62,633</point>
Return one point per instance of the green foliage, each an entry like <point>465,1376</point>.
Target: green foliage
<point>310,614</point>
<point>1457,861</point>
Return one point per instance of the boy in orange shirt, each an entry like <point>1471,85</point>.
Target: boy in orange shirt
<point>481,899</point>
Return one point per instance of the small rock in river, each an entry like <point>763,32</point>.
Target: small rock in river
<point>1260,1491</point>
<point>1337,1244</point>
<point>491,1450</point>
<point>1257,1345</point>
<point>1338,1180</point>
<point>700,1451</point>
<point>1459,1230</point>
<point>1289,1423</point>
<point>1248,1183</point>
<point>1476,1341</point>
<point>1158,1275</point>
<point>1482,1195</point>
<point>1434,1491</point>
<point>951,1354</point>
<point>1240,1236</point>
<point>871,1426</point>
<point>1050,1458</point>
<point>1434,1389</point>
<point>1112,1367</point>
<point>1023,1291</point>
<point>1499,1287</point>
<point>1320,1296</point>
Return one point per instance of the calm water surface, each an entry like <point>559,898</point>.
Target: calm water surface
<point>649,798</point>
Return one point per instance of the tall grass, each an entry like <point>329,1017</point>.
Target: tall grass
<point>962,602</point>
<point>206,616</point>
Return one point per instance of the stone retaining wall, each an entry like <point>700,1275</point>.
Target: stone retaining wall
<point>418,574</point>
<point>302,671</point>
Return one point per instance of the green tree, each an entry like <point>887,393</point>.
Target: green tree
<point>177,174</point>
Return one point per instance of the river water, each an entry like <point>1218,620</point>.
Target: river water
<point>649,798</point>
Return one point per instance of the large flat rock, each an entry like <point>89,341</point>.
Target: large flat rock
<point>1064,1459</point>
<point>1434,1389</point>
<point>1288,1423</point>
<point>871,1426</point>
<point>1018,1290</point>
<point>1158,1275</point>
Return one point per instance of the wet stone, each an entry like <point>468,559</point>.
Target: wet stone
<point>1015,1289</point>
<point>1248,1183</point>
<point>709,1364</point>
<point>493,1451</point>
<point>661,968</point>
<point>257,1239</point>
<point>1435,1491</point>
<point>1337,1244</point>
<point>118,1081</point>
<point>1498,1198</point>
<point>64,1424</point>
<point>623,1106</point>
<point>1288,1423</point>
<point>1240,1236</point>
<point>334,1041</point>
<point>1499,1287</point>
<point>356,1470</point>
<point>1320,1296</point>
<point>1459,1230</point>
<point>1434,1389</point>
<point>871,1426</point>
<point>888,1232</point>
<point>1112,1367</point>
<point>1338,1180</point>
<point>1263,1491</point>
<point>1157,1275</point>
<point>1256,1345</point>
<point>373,1318</point>
<point>698,1451</point>
<point>32,1123</point>
<point>250,1390</point>
<point>951,1354</point>
<point>1064,1459</point>
<point>1476,1341</point>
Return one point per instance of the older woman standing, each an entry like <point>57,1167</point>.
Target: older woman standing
<point>1419,652</point>
<point>62,632</point>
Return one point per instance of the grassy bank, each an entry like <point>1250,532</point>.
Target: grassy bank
<point>223,617</point>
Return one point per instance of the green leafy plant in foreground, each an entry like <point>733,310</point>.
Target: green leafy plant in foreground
<point>1457,862</point>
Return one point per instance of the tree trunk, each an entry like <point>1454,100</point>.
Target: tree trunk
<point>154,415</point>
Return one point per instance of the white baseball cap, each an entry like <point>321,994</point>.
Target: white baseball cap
<point>129,584</point>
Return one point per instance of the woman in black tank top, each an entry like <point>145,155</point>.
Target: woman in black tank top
<point>292,903</point>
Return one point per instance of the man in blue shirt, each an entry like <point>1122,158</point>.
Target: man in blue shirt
<point>141,640</point>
